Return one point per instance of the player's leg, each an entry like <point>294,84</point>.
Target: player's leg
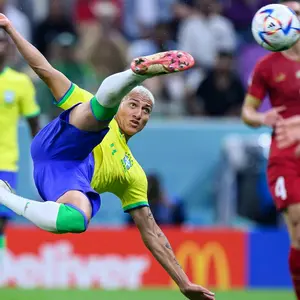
<point>70,213</point>
<point>117,86</point>
<point>63,170</point>
<point>292,219</point>
<point>284,185</point>
<point>114,88</point>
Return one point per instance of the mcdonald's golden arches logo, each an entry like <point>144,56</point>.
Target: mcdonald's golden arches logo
<point>201,258</point>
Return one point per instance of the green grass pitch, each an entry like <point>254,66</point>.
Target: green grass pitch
<point>18,294</point>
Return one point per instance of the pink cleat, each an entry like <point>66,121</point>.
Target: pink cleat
<point>162,63</point>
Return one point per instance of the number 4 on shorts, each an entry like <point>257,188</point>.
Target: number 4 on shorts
<point>280,190</point>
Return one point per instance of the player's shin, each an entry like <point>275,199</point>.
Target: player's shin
<point>112,90</point>
<point>294,264</point>
<point>50,216</point>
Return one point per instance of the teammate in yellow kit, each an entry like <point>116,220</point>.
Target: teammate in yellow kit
<point>17,100</point>
<point>84,152</point>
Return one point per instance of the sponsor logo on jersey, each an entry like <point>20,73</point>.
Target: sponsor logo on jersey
<point>9,96</point>
<point>127,162</point>
<point>298,74</point>
<point>280,77</point>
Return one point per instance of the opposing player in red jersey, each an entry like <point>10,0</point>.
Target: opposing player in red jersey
<point>278,76</point>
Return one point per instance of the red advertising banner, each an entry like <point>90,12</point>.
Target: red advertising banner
<point>117,258</point>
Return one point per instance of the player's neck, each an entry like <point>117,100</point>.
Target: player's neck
<point>126,136</point>
<point>293,53</point>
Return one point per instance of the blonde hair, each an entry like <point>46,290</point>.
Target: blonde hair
<point>144,92</point>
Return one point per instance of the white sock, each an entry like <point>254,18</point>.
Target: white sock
<point>115,87</point>
<point>42,214</point>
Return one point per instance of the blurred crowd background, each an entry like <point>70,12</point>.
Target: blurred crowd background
<point>91,39</point>
<point>215,173</point>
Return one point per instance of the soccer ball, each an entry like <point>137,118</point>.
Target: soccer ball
<point>276,27</point>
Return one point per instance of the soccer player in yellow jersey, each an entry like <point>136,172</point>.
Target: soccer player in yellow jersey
<point>17,99</point>
<point>84,153</point>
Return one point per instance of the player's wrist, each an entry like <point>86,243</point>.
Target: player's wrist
<point>261,119</point>
<point>255,121</point>
<point>184,286</point>
<point>9,29</point>
<point>183,282</point>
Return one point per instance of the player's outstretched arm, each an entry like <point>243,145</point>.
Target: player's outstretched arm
<point>252,117</point>
<point>56,81</point>
<point>161,249</point>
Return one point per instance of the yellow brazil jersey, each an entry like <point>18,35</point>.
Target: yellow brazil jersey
<point>17,99</point>
<point>116,170</point>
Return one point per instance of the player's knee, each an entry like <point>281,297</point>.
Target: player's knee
<point>71,220</point>
<point>292,218</point>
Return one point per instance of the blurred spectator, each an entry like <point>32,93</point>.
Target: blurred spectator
<point>63,58</point>
<point>19,19</point>
<point>159,40</point>
<point>55,23</point>
<point>107,49</point>
<point>166,210</point>
<point>27,7</point>
<point>182,9</point>
<point>140,16</point>
<point>168,91</point>
<point>205,33</point>
<point>241,12</point>
<point>221,92</point>
<point>84,10</point>
<point>87,18</point>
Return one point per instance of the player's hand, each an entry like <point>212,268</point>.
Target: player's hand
<point>272,116</point>
<point>287,132</point>
<point>197,292</point>
<point>4,22</point>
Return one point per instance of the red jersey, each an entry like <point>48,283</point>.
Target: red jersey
<point>278,77</point>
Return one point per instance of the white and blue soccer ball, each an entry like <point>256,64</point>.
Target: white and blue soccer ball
<point>276,27</point>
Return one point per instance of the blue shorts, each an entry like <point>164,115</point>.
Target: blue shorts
<point>11,178</point>
<point>63,160</point>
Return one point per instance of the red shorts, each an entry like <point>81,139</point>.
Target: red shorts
<point>284,180</point>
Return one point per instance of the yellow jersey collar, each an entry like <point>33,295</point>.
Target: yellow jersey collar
<point>115,127</point>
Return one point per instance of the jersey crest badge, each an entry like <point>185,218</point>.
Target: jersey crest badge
<point>9,97</point>
<point>127,162</point>
<point>280,77</point>
<point>298,74</point>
